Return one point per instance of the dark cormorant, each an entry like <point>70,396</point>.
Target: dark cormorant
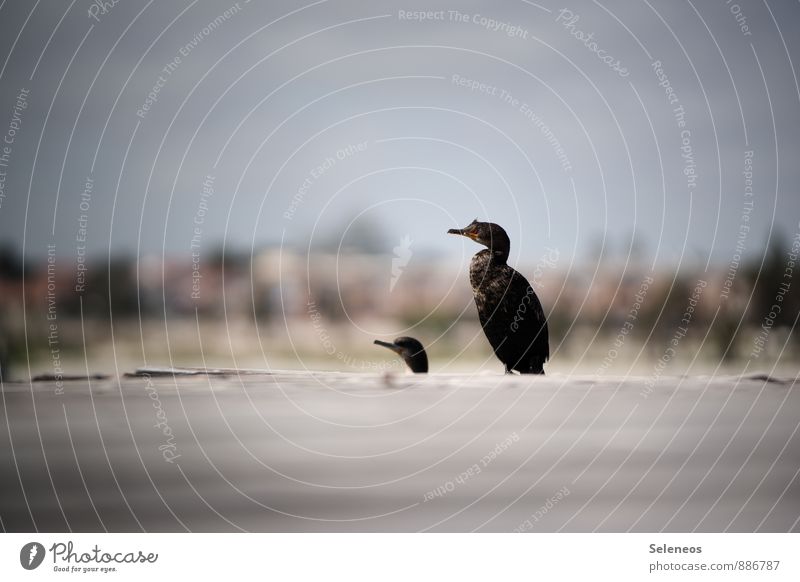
<point>411,351</point>
<point>510,312</point>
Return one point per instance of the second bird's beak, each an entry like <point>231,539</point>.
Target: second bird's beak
<point>394,348</point>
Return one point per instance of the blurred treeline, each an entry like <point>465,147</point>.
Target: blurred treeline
<point>281,290</point>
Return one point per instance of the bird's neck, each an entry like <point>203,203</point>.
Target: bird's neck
<point>499,257</point>
<point>489,257</point>
<point>417,363</point>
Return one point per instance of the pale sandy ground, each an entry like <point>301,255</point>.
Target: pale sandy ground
<point>359,452</point>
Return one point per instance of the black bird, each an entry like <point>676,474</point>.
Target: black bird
<point>411,351</point>
<point>510,312</point>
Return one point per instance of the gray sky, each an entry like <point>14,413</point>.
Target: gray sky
<point>563,149</point>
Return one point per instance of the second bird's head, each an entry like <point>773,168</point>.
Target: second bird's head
<point>489,234</point>
<point>411,351</point>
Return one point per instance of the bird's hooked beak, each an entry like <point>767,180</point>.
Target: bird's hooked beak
<point>395,348</point>
<point>470,231</point>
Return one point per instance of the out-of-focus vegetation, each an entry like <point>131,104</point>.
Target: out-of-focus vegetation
<point>289,303</point>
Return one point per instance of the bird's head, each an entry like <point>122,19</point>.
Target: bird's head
<point>489,234</point>
<point>411,351</point>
